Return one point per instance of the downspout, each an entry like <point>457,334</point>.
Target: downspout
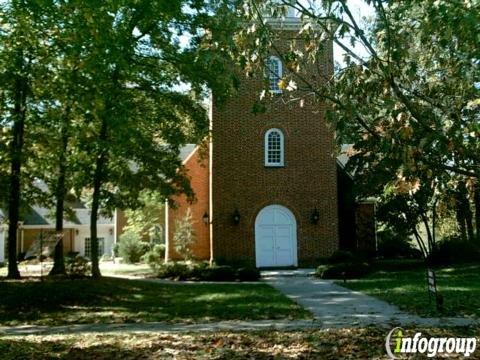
<point>167,235</point>
<point>115,226</point>
<point>210,180</point>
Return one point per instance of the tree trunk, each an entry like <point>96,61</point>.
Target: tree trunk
<point>421,244</point>
<point>429,233</point>
<point>97,185</point>
<point>59,263</point>
<point>476,201</point>
<point>469,221</point>
<point>16,148</point>
<point>460,214</point>
<point>465,215</point>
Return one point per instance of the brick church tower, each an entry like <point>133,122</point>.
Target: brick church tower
<point>273,179</point>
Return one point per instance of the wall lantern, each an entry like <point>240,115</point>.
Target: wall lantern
<point>206,218</point>
<point>77,232</point>
<point>110,231</point>
<point>315,216</point>
<point>236,217</point>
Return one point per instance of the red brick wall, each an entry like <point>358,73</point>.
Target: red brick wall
<point>197,168</point>
<point>241,181</point>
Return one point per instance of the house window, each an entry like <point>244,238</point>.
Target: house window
<point>274,73</point>
<point>88,247</point>
<point>274,148</point>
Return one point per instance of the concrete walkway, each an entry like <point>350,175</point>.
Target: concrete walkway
<point>336,306</point>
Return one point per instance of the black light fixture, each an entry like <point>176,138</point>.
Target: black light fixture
<point>206,218</point>
<point>315,216</point>
<point>236,217</point>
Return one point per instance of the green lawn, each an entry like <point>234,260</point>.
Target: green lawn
<point>367,343</point>
<point>460,287</point>
<point>113,300</point>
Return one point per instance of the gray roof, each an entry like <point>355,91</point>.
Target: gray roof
<point>43,216</point>
<point>186,150</point>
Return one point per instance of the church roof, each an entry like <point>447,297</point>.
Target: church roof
<point>42,216</point>
<point>186,150</point>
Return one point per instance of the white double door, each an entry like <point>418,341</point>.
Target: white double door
<point>275,237</point>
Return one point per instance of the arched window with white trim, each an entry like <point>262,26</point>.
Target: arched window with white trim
<point>274,148</point>
<point>274,73</point>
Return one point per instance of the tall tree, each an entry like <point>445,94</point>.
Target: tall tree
<point>22,49</point>
<point>136,116</point>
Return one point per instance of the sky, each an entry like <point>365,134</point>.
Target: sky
<point>360,10</point>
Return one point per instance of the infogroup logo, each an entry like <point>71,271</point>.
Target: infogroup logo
<point>432,346</point>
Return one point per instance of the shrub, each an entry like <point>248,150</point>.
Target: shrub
<point>349,270</point>
<point>392,245</point>
<point>131,248</point>
<point>155,257</point>
<point>341,256</point>
<point>248,274</point>
<point>77,266</point>
<point>219,273</point>
<point>173,270</point>
<point>115,249</point>
<point>184,236</point>
<point>204,272</point>
<point>454,250</point>
<point>199,271</point>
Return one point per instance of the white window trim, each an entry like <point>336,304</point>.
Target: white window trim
<point>280,73</point>
<point>282,148</point>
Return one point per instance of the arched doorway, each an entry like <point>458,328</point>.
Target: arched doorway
<point>275,237</point>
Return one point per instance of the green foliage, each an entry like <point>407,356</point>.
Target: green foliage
<point>77,266</point>
<point>173,270</point>
<point>131,248</point>
<point>218,273</point>
<point>92,99</point>
<point>394,245</point>
<point>349,270</point>
<point>248,274</point>
<point>148,219</point>
<point>408,100</point>
<point>184,236</point>
<point>455,251</point>
<point>155,256</point>
<point>341,256</point>
<point>204,272</point>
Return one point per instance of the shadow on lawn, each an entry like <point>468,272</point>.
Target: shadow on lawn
<point>113,300</point>
<point>459,286</point>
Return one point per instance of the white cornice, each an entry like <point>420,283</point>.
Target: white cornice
<point>289,23</point>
